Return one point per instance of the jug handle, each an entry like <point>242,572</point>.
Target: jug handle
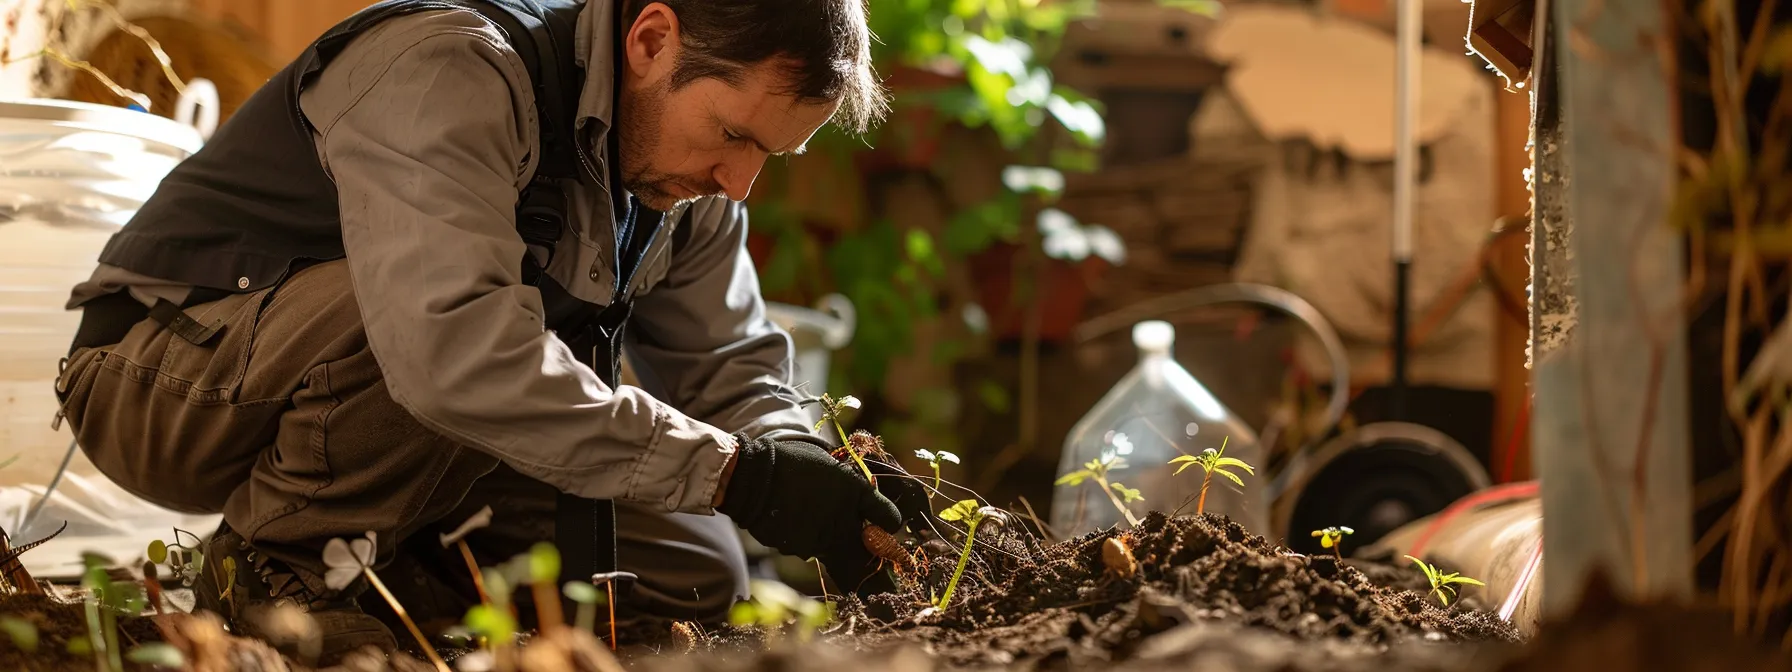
<point>201,98</point>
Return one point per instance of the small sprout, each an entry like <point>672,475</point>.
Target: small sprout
<point>1117,557</point>
<point>543,572</point>
<point>933,460</point>
<point>1443,585</point>
<point>775,606</point>
<point>972,515</point>
<point>102,623</point>
<point>1333,538</point>
<point>22,633</point>
<point>831,409</point>
<point>458,538</point>
<point>1211,462</point>
<point>157,654</point>
<point>588,598</point>
<point>1097,470</point>
<point>609,580</point>
<point>493,623</point>
<point>345,560</point>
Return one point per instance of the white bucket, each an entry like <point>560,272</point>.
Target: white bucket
<point>70,175</point>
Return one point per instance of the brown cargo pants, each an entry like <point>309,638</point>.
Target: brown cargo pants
<point>282,422</point>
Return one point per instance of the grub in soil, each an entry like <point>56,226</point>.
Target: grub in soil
<point>58,622</point>
<point>1019,601</point>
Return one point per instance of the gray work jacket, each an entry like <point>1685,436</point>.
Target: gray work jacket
<point>426,124</point>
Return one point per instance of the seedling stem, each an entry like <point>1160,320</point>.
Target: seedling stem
<point>1212,461</point>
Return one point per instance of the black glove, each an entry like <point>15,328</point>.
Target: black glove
<point>795,497</point>
<point>902,488</point>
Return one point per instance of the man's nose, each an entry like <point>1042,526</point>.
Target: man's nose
<point>736,174</point>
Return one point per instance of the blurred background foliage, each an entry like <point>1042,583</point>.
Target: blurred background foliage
<point>980,127</point>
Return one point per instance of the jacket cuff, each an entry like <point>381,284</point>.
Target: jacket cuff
<point>682,466</point>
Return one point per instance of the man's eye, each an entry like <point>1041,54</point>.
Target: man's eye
<point>730,136</point>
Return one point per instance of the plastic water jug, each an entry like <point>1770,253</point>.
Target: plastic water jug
<point>1156,413</point>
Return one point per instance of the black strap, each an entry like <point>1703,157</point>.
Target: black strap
<point>176,320</point>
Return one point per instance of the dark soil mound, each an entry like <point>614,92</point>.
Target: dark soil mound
<point>1021,602</point>
<point>57,623</point>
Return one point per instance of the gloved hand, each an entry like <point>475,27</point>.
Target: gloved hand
<point>795,497</point>
<point>902,488</point>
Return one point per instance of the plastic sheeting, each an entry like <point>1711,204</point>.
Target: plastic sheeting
<point>70,175</point>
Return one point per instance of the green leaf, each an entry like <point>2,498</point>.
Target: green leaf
<point>1074,478</point>
<point>1325,541</point>
<point>544,563</point>
<point>1127,495</point>
<point>1469,581</point>
<point>158,551</point>
<point>1230,475</point>
<point>492,623</point>
<point>994,396</point>
<point>965,510</point>
<point>1235,462</point>
<point>22,632</point>
<point>743,614</point>
<point>159,654</point>
<point>582,592</point>
<point>9,461</point>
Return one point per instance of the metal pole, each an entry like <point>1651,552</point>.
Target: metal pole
<point>1406,154</point>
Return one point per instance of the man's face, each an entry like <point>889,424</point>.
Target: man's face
<point>708,137</point>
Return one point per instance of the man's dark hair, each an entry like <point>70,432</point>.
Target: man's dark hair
<point>825,46</point>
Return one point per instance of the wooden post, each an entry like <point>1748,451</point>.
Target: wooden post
<point>1610,430</point>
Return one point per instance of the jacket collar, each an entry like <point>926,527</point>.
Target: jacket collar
<point>595,38</point>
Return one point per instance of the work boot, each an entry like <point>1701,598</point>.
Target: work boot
<point>263,589</point>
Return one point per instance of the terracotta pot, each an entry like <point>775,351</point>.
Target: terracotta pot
<point>1064,292</point>
<point>910,138</point>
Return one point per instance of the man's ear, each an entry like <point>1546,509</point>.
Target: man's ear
<point>651,44</point>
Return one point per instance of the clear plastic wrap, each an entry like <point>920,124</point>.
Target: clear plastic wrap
<point>70,175</point>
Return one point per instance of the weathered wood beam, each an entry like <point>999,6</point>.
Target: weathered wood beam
<point>1610,429</point>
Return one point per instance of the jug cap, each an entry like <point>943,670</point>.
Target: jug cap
<point>1154,336</point>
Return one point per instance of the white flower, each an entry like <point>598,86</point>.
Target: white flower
<point>849,401</point>
<point>346,560</point>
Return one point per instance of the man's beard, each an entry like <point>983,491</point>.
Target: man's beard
<point>639,123</point>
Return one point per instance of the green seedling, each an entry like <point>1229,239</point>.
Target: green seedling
<point>22,633</point>
<point>103,602</point>
<point>157,654</point>
<point>344,561</point>
<point>1443,585</point>
<point>972,515</point>
<point>544,573</point>
<point>588,598</point>
<point>1212,462</point>
<point>459,538</point>
<point>1097,470</point>
<point>933,460</point>
<point>495,624</point>
<point>775,606</point>
<point>185,561</point>
<point>831,409</point>
<point>1333,538</point>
